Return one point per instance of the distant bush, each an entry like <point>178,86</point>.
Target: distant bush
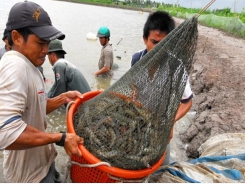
<point>222,19</point>
<point>226,12</point>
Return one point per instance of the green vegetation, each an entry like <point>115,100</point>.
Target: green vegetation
<point>223,19</point>
<point>94,1</point>
<point>126,3</point>
<point>226,12</point>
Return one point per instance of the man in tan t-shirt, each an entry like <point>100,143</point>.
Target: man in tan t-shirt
<point>106,57</point>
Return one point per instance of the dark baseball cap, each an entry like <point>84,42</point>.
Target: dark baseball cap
<point>5,34</point>
<point>31,15</point>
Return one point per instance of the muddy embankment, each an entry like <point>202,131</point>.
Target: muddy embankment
<point>218,83</point>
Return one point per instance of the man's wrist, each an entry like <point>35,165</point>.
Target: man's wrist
<point>62,140</point>
<point>63,97</point>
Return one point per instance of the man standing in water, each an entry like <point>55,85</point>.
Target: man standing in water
<point>29,152</point>
<point>105,73</point>
<point>67,76</point>
<point>106,56</point>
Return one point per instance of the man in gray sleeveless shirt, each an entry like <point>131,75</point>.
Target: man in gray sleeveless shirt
<point>67,76</point>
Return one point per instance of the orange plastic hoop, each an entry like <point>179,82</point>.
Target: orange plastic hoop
<point>91,159</point>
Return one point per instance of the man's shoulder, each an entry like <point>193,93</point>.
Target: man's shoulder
<point>137,56</point>
<point>15,58</point>
<point>108,47</point>
<point>63,63</point>
<point>60,62</point>
<point>138,53</point>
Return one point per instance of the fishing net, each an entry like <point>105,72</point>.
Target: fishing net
<point>128,125</point>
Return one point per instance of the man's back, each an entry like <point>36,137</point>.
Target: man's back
<point>67,78</point>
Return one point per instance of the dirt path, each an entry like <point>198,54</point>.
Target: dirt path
<point>218,83</point>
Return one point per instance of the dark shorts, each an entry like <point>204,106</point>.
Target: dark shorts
<point>53,176</point>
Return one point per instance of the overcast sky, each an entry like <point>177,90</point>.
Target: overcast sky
<point>218,4</point>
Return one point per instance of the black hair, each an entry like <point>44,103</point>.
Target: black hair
<point>60,54</point>
<point>25,32</point>
<point>5,34</point>
<point>159,20</point>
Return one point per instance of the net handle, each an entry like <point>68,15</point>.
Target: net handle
<point>142,180</point>
<point>91,165</point>
<point>121,180</point>
<point>205,8</point>
<point>68,106</point>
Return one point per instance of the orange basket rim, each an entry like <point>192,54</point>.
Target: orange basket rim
<point>118,172</point>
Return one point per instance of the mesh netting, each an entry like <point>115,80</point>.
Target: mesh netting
<point>129,124</point>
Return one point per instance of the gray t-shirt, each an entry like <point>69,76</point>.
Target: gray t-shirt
<point>67,78</point>
<point>106,59</point>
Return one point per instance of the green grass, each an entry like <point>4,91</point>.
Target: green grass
<point>226,12</point>
<point>219,19</point>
